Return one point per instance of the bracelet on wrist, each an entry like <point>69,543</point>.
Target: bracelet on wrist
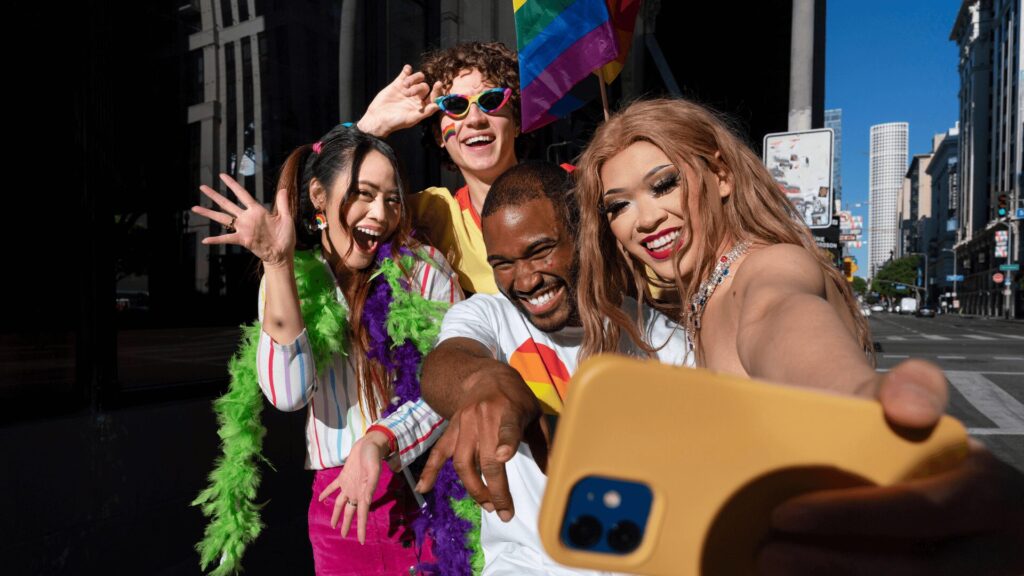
<point>392,439</point>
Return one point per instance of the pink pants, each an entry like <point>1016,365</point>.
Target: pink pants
<point>390,547</point>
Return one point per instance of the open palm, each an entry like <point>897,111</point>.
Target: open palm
<point>401,104</point>
<point>270,236</point>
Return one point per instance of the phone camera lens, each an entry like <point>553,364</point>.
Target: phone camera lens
<point>585,531</point>
<point>624,536</point>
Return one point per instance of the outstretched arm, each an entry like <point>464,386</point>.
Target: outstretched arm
<point>966,520</point>
<point>491,411</point>
<point>788,332</point>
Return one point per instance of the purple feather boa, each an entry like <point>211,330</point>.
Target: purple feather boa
<point>404,360</point>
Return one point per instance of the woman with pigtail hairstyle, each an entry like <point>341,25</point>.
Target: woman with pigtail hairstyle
<point>348,305</point>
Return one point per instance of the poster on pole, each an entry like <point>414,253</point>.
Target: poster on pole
<point>801,163</point>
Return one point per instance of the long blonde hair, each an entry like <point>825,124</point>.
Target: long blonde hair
<point>756,211</point>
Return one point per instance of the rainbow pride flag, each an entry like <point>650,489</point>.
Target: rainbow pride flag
<point>560,42</point>
<point>623,16</point>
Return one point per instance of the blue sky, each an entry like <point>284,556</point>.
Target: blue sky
<point>888,61</point>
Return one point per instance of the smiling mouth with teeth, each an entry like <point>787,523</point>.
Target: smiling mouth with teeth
<point>479,140</point>
<point>663,245</point>
<point>542,302</point>
<point>365,238</point>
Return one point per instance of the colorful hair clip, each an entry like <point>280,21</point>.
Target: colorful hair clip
<point>318,146</point>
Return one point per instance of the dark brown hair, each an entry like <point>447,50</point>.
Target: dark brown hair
<point>497,65</point>
<point>341,151</point>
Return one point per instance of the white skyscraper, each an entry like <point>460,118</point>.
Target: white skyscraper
<point>888,166</point>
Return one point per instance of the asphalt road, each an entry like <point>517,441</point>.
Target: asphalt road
<point>984,363</point>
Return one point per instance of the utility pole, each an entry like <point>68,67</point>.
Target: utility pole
<point>801,65</point>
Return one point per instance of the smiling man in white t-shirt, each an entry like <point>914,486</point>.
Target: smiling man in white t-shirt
<point>505,360</point>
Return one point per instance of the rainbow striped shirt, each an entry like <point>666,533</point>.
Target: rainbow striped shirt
<point>335,420</point>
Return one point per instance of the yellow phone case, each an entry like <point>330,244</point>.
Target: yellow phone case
<point>718,452</point>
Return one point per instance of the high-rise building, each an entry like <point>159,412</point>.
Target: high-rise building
<point>888,166</point>
<point>990,148</point>
<point>915,205</point>
<point>939,235</point>
<point>834,120</point>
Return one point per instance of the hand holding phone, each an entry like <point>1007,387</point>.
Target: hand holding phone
<point>664,470</point>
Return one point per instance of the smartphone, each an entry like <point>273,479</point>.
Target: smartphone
<point>658,469</point>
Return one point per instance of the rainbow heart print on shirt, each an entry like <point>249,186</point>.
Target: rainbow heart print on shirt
<point>544,372</point>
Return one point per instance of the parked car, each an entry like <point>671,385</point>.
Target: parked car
<point>877,308</point>
<point>865,311</point>
<point>925,313</point>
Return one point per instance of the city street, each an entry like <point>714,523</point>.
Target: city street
<point>984,362</point>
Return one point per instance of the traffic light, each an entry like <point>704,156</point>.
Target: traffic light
<point>1003,206</point>
<point>849,267</point>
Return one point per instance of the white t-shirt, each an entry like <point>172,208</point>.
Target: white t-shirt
<point>546,361</point>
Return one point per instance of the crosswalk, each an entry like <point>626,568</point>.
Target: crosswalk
<point>995,403</point>
<point>977,357</point>
<point>921,337</point>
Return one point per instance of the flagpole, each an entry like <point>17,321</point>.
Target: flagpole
<point>604,94</point>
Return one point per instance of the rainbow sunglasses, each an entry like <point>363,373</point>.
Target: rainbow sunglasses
<point>489,101</point>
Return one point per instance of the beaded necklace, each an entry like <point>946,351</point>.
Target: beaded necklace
<point>708,286</point>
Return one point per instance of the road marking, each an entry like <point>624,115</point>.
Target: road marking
<point>996,431</point>
<point>1009,357</point>
<point>976,337</point>
<point>895,356</point>
<point>895,338</point>
<point>1013,336</point>
<point>934,337</point>
<point>951,357</point>
<point>996,404</point>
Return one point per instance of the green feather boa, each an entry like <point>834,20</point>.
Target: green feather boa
<point>469,510</point>
<point>411,316</point>
<point>229,499</point>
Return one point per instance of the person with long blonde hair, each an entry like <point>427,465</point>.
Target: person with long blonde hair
<point>676,209</point>
<point>687,218</point>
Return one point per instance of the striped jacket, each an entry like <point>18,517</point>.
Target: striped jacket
<point>335,420</point>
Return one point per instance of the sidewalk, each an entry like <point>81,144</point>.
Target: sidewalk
<point>984,317</point>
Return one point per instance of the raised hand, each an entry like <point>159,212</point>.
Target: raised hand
<point>401,104</point>
<point>356,483</point>
<point>269,236</point>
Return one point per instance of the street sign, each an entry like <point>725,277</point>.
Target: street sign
<point>1009,267</point>
<point>998,277</point>
<point>902,287</point>
<point>1020,213</point>
<point>954,277</point>
<point>801,163</point>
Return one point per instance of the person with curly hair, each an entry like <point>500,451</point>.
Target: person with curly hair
<point>470,94</point>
